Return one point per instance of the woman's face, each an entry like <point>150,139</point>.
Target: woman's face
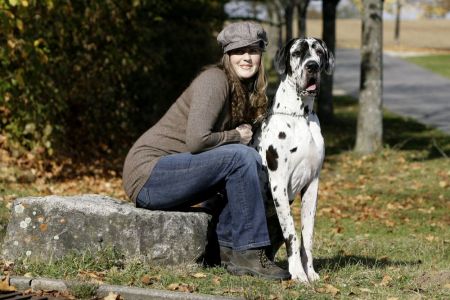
<point>245,61</point>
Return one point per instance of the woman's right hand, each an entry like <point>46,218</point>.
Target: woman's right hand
<point>245,131</point>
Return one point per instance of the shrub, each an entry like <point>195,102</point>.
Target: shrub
<point>87,77</point>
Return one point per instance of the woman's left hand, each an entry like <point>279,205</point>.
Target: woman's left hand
<point>245,130</point>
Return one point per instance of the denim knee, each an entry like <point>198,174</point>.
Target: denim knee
<point>246,155</point>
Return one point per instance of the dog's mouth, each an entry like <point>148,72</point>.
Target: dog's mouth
<point>311,86</point>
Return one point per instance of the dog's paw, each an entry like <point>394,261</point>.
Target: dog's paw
<point>300,277</point>
<point>313,276</point>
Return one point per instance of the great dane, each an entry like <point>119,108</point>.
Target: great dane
<point>292,147</point>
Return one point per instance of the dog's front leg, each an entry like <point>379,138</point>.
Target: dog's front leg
<point>281,201</point>
<point>308,211</point>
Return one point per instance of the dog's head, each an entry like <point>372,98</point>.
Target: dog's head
<point>303,60</point>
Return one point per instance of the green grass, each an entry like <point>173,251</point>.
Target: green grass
<point>381,228</point>
<point>439,64</point>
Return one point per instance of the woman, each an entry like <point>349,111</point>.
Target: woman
<point>200,146</point>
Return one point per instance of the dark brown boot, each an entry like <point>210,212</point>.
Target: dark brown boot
<point>255,262</point>
<point>225,255</point>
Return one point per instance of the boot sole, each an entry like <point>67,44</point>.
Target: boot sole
<point>240,271</point>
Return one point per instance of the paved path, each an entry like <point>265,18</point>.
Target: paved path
<point>408,90</point>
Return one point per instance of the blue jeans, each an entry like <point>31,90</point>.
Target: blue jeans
<point>186,178</point>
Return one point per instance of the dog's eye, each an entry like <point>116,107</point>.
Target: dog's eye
<point>296,53</point>
<point>319,52</point>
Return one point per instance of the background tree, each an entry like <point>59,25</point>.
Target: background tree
<point>370,116</point>
<point>325,102</point>
<point>302,8</point>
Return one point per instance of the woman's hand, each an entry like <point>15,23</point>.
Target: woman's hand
<point>245,131</point>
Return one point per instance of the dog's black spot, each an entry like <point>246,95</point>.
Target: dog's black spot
<point>284,90</point>
<point>278,105</point>
<point>285,159</point>
<point>274,188</point>
<point>293,150</point>
<point>289,245</point>
<point>275,201</point>
<point>288,125</point>
<point>272,158</point>
<point>306,110</point>
<point>298,98</point>
<point>282,135</point>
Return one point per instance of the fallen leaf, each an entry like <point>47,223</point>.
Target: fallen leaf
<point>431,238</point>
<point>216,280</point>
<point>199,275</point>
<point>182,287</point>
<point>287,284</point>
<point>329,289</point>
<point>447,286</point>
<point>112,296</point>
<point>146,279</point>
<point>386,280</point>
<point>392,298</point>
<point>5,287</point>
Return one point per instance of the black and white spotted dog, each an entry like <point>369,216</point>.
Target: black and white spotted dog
<point>292,147</point>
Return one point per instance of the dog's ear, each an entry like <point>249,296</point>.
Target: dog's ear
<point>282,58</point>
<point>328,58</point>
<point>329,63</point>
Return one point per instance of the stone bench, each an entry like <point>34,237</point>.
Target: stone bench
<point>50,227</point>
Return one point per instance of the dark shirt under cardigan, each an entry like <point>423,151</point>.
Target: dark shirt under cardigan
<point>194,123</point>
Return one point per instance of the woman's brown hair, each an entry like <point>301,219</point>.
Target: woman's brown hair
<point>248,98</point>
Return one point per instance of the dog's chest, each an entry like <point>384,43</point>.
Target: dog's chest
<point>292,147</point>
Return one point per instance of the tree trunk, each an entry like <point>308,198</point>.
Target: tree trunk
<point>325,100</point>
<point>288,17</point>
<point>370,116</point>
<point>302,8</point>
<point>397,21</point>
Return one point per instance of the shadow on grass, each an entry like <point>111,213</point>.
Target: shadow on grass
<point>341,261</point>
<point>399,133</point>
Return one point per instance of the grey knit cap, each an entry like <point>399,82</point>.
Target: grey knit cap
<point>242,34</point>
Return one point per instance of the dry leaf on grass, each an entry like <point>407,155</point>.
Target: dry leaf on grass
<point>146,279</point>
<point>5,287</point>
<point>199,275</point>
<point>112,296</point>
<point>385,281</point>
<point>216,280</point>
<point>329,289</point>
<point>182,287</point>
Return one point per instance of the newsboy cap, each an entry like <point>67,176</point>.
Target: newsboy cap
<point>242,34</point>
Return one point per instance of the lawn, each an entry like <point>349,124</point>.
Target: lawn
<point>381,228</point>
<point>439,64</point>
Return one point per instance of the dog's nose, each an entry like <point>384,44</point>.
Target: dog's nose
<point>312,66</point>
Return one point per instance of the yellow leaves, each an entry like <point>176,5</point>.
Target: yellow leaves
<point>5,287</point>
<point>199,275</point>
<point>23,3</point>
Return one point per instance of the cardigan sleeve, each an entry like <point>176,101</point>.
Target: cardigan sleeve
<point>210,93</point>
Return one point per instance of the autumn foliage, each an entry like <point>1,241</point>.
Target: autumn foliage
<point>84,78</point>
